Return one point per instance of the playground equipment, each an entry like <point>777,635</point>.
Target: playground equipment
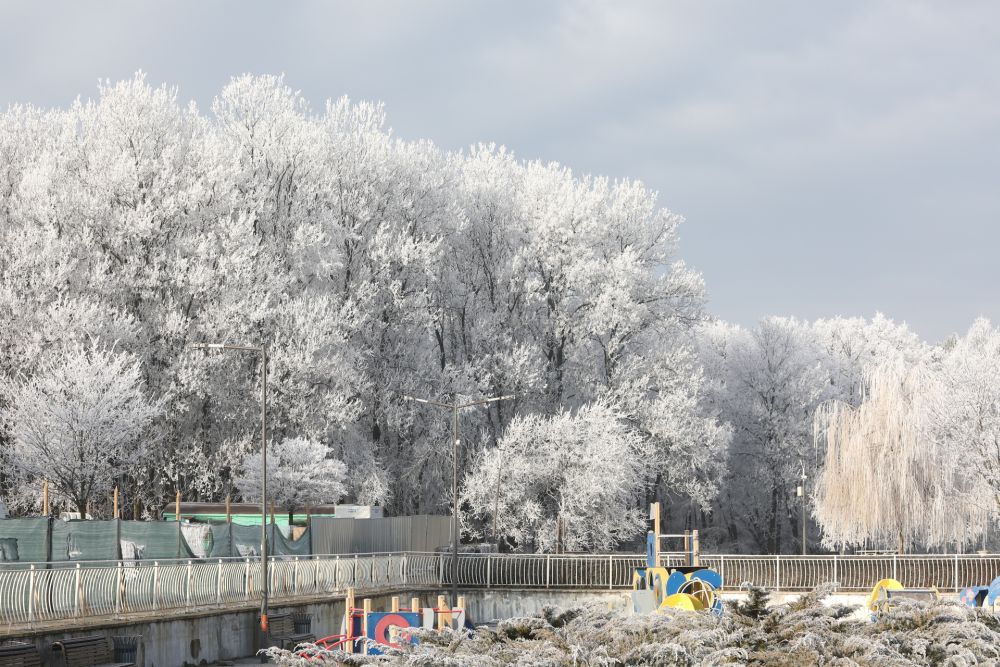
<point>367,632</point>
<point>887,590</point>
<point>981,596</point>
<point>689,586</point>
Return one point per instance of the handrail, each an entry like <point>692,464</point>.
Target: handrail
<point>196,559</point>
<point>36,592</point>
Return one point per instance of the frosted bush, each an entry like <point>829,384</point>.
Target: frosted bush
<point>804,632</point>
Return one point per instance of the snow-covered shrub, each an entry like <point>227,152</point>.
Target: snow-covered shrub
<point>804,632</point>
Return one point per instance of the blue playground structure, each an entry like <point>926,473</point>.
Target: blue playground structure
<point>690,586</point>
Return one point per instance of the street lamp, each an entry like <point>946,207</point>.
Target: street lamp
<point>263,458</point>
<point>455,407</point>
<point>801,493</point>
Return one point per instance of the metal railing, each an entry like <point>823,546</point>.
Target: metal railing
<point>33,593</point>
<point>947,573</point>
<point>36,593</point>
<point>583,571</point>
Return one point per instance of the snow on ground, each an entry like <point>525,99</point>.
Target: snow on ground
<point>804,632</point>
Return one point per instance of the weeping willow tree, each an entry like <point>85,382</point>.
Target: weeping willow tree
<point>885,480</point>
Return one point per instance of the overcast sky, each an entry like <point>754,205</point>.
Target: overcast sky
<point>835,158</point>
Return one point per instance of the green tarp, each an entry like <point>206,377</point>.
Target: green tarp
<point>24,540</point>
<point>235,540</point>
<point>41,540</point>
<point>81,540</point>
<point>152,540</point>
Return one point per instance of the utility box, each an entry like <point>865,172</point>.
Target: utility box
<point>357,512</point>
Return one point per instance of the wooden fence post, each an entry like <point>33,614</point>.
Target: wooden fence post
<point>349,621</point>
<point>367,608</point>
<point>442,605</point>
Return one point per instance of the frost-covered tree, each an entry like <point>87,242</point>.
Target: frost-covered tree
<point>885,480</point>
<point>369,266</point>
<point>80,422</point>
<point>766,383</point>
<point>300,473</point>
<point>571,478</point>
<point>965,408</point>
<point>854,344</point>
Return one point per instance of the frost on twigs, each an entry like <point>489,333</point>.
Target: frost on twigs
<point>804,632</point>
<point>371,267</point>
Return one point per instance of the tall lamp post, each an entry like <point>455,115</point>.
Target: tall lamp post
<point>455,407</point>
<point>263,458</point>
<point>802,494</point>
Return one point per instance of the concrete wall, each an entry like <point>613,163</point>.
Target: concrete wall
<point>487,606</point>
<point>200,639</point>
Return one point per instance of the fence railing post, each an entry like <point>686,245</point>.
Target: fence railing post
<point>218,583</point>
<point>31,594</point>
<point>354,574</point>
<point>440,570</point>
<point>295,577</point>
<point>956,572</point>
<point>246,579</point>
<point>835,580</point>
<point>777,572</point>
<point>548,569</point>
<point>611,573</point>
<point>156,584</point>
<point>722,570</point>
<point>119,587</point>
<point>78,605</point>
<point>894,575</point>
<point>190,583</point>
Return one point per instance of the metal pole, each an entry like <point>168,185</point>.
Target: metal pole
<point>455,407</point>
<point>802,493</point>
<point>263,457</point>
<point>454,510</point>
<point>263,487</point>
<point>803,520</point>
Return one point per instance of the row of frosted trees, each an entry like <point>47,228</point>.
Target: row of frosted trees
<point>373,268</point>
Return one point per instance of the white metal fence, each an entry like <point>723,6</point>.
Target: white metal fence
<point>948,573</point>
<point>36,592</point>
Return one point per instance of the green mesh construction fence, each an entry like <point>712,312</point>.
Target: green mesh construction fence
<point>80,540</point>
<point>152,540</point>
<point>235,540</point>
<point>24,540</point>
<point>41,540</point>
<point>286,546</point>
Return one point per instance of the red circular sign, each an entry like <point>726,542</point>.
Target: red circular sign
<point>385,623</point>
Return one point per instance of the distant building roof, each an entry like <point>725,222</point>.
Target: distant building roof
<point>242,509</point>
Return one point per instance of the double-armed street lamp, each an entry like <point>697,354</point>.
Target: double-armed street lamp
<point>263,459</point>
<point>455,407</point>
